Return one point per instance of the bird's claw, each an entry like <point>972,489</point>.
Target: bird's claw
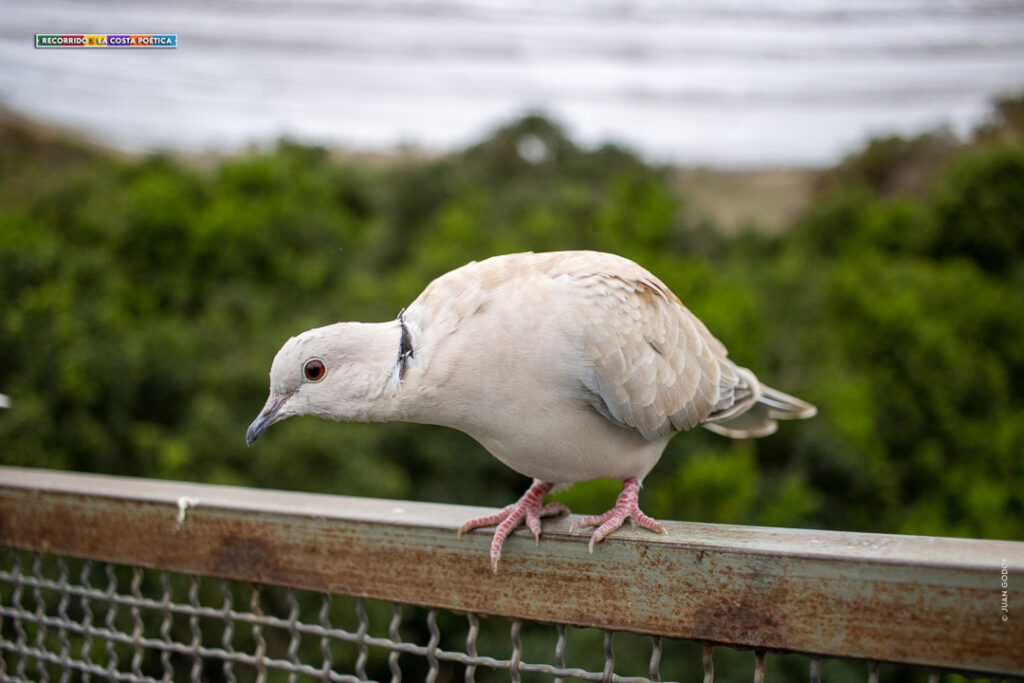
<point>533,522</point>
<point>529,508</point>
<point>626,507</point>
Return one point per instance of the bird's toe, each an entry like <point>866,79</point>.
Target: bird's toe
<point>533,522</point>
<point>594,520</point>
<point>555,509</point>
<point>626,507</point>
<point>528,509</point>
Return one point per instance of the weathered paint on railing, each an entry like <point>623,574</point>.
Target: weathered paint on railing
<point>910,599</point>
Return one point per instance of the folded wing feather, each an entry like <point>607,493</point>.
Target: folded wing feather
<point>654,367</point>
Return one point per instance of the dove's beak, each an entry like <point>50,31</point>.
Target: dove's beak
<point>268,416</point>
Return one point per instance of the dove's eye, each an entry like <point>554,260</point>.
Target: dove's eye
<point>314,370</point>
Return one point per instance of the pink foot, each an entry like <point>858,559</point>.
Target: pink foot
<point>625,507</point>
<point>530,507</point>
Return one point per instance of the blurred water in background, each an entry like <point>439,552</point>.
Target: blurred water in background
<point>720,82</point>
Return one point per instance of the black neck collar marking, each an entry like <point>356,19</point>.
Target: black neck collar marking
<point>405,350</point>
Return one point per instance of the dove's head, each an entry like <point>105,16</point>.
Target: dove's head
<point>337,372</point>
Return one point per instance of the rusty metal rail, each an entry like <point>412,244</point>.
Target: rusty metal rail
<point>938,603</point>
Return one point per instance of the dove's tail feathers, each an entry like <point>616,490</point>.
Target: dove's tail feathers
<point>782,406</point>
<point>760,417</point>
<point>752,424</point>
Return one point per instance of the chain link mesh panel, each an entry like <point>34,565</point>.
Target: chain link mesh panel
<point>63,619</point>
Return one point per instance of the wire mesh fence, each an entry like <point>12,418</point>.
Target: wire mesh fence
<point>63,619</point>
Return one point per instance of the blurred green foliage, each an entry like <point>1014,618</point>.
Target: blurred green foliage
<point>144,298</point>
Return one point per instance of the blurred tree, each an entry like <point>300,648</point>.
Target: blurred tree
<point>979,209</point>
<point>1006,123</point>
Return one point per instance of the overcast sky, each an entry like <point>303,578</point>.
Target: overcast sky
<point>722,82</point>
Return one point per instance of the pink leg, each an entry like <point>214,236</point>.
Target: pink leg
<point>625,507</point>
<point>528,508</point>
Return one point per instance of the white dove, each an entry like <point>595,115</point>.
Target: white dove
<point>566,366</point>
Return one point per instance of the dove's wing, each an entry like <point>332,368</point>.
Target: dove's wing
<point>649,363</point>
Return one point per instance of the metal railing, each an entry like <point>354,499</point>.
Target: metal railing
<point>138,580</point>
